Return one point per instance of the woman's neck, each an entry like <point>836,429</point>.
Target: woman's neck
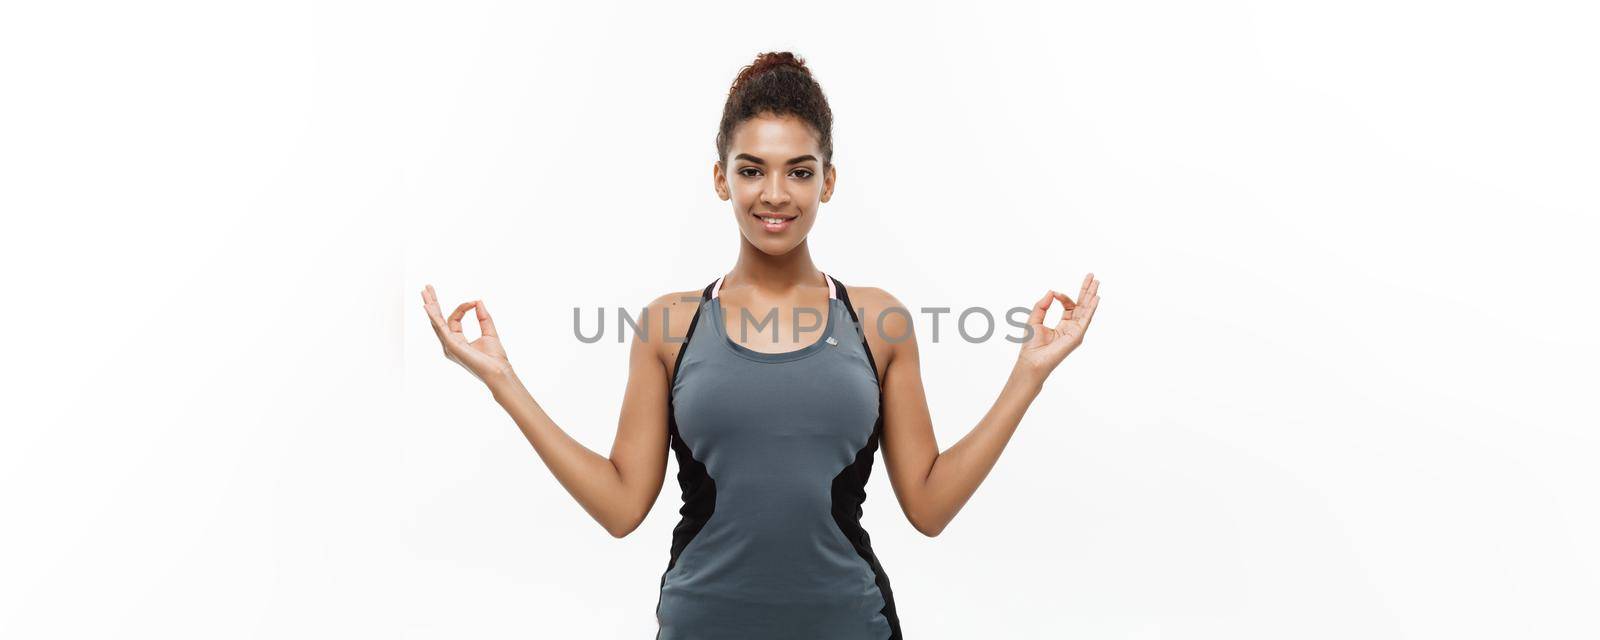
<point>775,274</point>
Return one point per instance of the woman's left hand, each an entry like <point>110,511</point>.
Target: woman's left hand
<point>1046,346</point>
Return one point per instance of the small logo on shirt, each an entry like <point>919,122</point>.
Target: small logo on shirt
<point>832,341</point>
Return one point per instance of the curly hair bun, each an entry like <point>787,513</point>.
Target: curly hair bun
<point>779,83</point>
<point>766,61</point>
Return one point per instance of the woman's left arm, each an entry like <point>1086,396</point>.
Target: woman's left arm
<point>932,486</point>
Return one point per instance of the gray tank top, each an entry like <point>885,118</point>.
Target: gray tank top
<point>774,451</point>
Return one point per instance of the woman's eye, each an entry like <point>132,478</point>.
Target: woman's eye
<point>749,172</point>
<point>803,173</point>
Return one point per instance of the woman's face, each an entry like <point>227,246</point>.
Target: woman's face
<point>774,170</point>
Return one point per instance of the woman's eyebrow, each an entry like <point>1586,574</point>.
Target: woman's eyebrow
<point>797,160</point>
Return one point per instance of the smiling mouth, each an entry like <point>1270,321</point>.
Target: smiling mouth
<point>773,223</point>
<point>771,219</point>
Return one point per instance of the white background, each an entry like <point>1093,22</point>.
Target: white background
<point>1340,386</point>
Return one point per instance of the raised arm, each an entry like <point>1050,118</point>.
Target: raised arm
<point>617,491</point>
<point>932,486</point>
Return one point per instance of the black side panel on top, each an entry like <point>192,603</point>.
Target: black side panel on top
<point>699,491</point>
<point>850,487</point>
<point>849,491</point>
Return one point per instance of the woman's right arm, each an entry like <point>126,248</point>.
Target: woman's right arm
<point>619,490</point>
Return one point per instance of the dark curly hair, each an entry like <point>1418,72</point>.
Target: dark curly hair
<point>780,84</point>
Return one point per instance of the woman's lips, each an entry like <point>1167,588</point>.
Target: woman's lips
<point>774,227</point>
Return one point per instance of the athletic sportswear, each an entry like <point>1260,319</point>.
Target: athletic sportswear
<point>774,451</point>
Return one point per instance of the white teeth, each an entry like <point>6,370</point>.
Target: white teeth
<point>772,220</point>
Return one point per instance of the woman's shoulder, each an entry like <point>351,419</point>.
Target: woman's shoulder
<point>677,306</point>
<point>678,309</point>
<point>871,303</point>
<point>860,294</point>
<point>885,320</point>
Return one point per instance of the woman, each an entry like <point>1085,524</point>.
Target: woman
<point>774,438</point>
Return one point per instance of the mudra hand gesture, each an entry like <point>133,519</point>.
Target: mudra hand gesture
<point>1046,346</point>
<point>484,357</point>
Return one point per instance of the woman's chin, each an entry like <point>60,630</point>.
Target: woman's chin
<point>774,246</point>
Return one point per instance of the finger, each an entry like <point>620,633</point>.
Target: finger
<point>1083,310</point>
<point>1086,312</point>
<point>1070,318</point>
<point>455,316</point>
<point>1040,307</point>
<point>1066,308</point>
<point>1091,288</point>
<point>430,305</point>
<point>430,301</point>
<point>485,323</point>
<point>1066,302</point>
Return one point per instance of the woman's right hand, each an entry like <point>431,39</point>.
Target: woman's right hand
<point>484,357</point>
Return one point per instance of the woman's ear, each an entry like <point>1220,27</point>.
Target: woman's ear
<point>828,176</point>
<point>719,181</point>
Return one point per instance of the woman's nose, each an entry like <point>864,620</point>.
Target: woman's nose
<point>773,193</point>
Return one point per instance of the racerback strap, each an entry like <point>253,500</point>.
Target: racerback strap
<point>844,296</point>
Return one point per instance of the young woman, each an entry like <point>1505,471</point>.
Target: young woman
<point>774,437</point>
